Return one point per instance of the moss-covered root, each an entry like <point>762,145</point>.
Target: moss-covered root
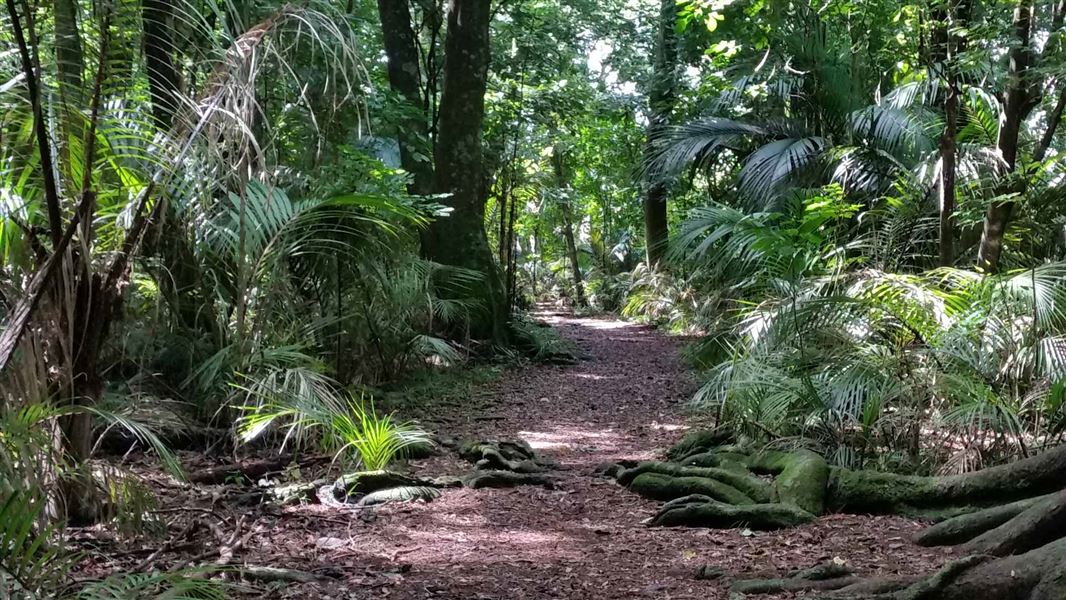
<point>366,482</point>
<point>756,490</point>
<point>657,486</point>
<point>800,477</point>
<point>868,491</point>
<point>515,456</point>
<point>721,459</point>
<point>503,479</point>
<point>703,511</point>
<point>699,440</point>
<point>1039,574</point>
<point>1040,524</point>
<point>824,577</point>
<point>965,527</point>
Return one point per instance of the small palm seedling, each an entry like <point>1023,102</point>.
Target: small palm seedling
<point>349,427</point>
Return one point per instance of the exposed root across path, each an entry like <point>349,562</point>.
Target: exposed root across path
<point>585,537</point>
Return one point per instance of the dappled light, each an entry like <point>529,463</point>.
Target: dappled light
<point>494,299</point>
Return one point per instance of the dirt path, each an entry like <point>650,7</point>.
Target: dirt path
<point>583,539</point>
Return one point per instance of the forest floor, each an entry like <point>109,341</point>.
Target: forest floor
<point>583,539</point>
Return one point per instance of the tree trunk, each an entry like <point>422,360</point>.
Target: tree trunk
<point>70,64</point>
<point>180,280</point>
<point>947,175</point>
<point>401,50</point>
<point>163,80</point>
<point>563,187</point>
<point>1017,104</point>
<point>661,100</point>
<point>945,45</point>
<point>459,239</point>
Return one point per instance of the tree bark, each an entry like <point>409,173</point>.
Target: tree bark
<point>459,239</point>
<point>181,280</point>
<point>944,46</point>
<point>70,65</point>
<point>405,78</point>
<point>661,101</point>
<point>947,173</point>
<point>565,207</point>
<point>163,80</point>
<point>1017,104</point>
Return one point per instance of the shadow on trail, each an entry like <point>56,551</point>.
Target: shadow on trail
<point>585,538</point>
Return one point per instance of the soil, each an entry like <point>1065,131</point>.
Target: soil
<point>625,399</point>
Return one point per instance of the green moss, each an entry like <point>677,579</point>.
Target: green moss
<point>731,461</point>
<point>657,486</point>
<point>702,511</point>
<point>800,477</point>
<point>700,439</point>
<point>871,491</point>
<point>752,487</point>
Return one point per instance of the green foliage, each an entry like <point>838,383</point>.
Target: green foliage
<point>541,343</point>
<point>863,360</point>
<point>29,566</point>
<point>350,428</point>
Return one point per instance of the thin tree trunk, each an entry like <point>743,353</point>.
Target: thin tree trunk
<point>70,64</point>
<point>563,187</point>
<point>1053,120</point>
<point>460,239</point>
<point>947,176</point>
<point>163,80</point>
<point>661,100</point>
<point>945,49</point>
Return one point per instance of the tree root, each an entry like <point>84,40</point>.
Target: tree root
<point>753,489</point>
<point>272,574</point>
<point>1011,518</point>
<point>699,440</point>
<point>868,491</point>
<point>965,527</point>
<point>353,485</point>
<point>516,456</point>
<point>703,511</point>
<point>657,486</point>
<point>502,479</point>
<point>800,477</point>
<point>824,577</point>
<point>1041,523</point>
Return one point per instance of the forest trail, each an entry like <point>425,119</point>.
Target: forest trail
<point>583,539</point>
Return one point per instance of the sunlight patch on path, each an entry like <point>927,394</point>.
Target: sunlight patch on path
<point>570,437</point>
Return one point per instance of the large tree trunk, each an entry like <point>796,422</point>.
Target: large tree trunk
<point>180,280</point>
<point>401,50</point>
<point>661,100</point>
<point>1017,104</point>
<point>459,239</point>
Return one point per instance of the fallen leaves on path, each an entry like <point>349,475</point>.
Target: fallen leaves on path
<point>583,539</point>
